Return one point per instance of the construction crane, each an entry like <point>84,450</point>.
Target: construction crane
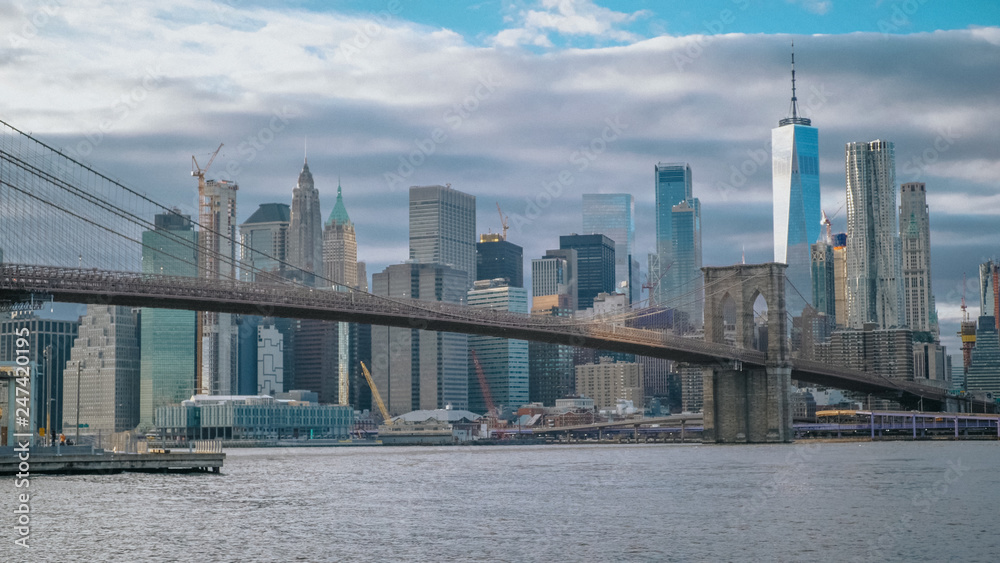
<point>199,172</point>
<point>487,396</point>
<point>376,396</point>
<point>968,335</point>
<point>651,285</point>
<point>503,221</point>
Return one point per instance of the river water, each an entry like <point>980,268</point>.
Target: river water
<point>809,501</point>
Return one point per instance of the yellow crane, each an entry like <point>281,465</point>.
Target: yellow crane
<point>503,221</point>
<point>376,396</point>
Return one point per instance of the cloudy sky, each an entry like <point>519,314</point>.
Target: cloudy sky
<point>502,97</point>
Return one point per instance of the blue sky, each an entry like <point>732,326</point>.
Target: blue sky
<point>479,20</point>
<point>697,82</point>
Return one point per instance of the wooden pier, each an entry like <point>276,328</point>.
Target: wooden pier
<point>47,460</point>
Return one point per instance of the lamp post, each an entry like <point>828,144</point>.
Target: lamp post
<point>47,353</point>
<point>79,369</point>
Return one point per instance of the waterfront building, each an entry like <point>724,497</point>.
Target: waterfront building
<point>504,362</point>
<point>305,230</point>
<point>608,382</point>
<point>984,373</point>
<point>418,369</point>
<point>217,260</point>
<point>167,370</point>
<point>264,242</point>
<point>48,373</point>
<point>105,358</point>
<point>496,257</point>
<point>692,387</point>
<point>915,242</point>
<point>9,373</point>
<point>874,270</point>
<point>443,229</point>
<point>613,215</point>
<point>270,360</point>
<point>255,417</point>
<point>595,266</point>
<point>796,197</point>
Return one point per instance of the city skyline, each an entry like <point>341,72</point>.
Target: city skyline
<point>876,84</point>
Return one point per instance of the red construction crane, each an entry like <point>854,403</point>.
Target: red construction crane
<point>487,396</point>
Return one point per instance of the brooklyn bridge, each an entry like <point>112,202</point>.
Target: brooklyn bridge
<point>72,234</point>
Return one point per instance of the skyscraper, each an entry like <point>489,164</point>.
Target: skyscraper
<point>305,230</point>
<point>504,361</point>
<point>167,369</point>
<point>497,257</point>
<point>340,246</point>
<point>840,278</point>
<point>796,195</point>
<point>989,290</point>
<point>553,280</point>
<point>824,298</point>
<point>419,369</point>
<point>984,373</point>
<point>672,184</point>
<point>106,357</point>
<point>915,239</point>
<point>443,228</point>
<point>47,398</point>
<point>613,215</point>
<point>874,271</point>
<point>340,259</point>
<point>217,260</point>
<point>595,266</point>
<point>687,292</point>
<point>264,238</point>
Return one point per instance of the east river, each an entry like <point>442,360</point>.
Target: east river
<point>809,501</point>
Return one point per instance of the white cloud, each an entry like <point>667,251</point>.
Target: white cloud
<point>579,18</point>
<point>820,7</point>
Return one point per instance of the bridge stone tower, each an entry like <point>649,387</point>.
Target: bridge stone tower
<point>742,404</point>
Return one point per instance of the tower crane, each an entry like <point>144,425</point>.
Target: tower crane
<point>199,172</point>
<point>376,396</point>
<point>503,221</point>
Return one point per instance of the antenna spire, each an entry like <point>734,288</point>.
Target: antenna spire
<point>794,119</point>
<point>795,108</point>
<point>305,149</point>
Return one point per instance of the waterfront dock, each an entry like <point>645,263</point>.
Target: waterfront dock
<point>85,459</point>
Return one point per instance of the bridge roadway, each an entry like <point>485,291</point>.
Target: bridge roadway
<point>92,286</point>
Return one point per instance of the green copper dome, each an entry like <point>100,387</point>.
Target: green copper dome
<point>339,214</point>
